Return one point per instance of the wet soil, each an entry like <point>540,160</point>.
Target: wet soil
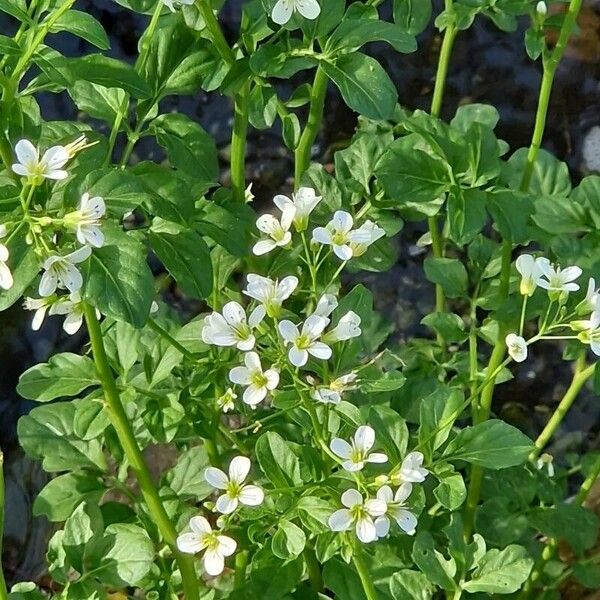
<point>487,66</point>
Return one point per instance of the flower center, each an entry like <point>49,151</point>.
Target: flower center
<point>339,238</point>
<point>303,342</point>
<point>234,489</point>
<point>211,540</point>
<point>357,455</point>
<point>259,379</point>
<point>358,512</point>
<point>242,331</point>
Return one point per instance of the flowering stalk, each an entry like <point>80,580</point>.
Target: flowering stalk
<point>3,590</point>
<point>120,422</point>
<point>363,572</point>
<point>238,143</point>
<point>550,66</point>
<point>315,116</point>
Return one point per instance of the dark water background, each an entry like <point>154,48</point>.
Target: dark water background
<point>487,66</point>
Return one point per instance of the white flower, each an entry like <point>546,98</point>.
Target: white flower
<point>517,347</point>
<point>226,401</point>
<point>531,272</point>
<point>248,195</point>
<point>591,302</point>
<point>283,10</point>
<point>558,280</point>
<point>202,537</point>
<point>35,169</point>
<point>358,513</point>
<point>411,469</point>
<point>541,8</point>
<point>6,278</point>
<point>305,342</point>
<point>360,239</point>
<point>60,271</point>
<point>278,231</point>
<point>337,234</point>
<point>303,202</point>
<point>235,490</point>
<point>258,382</point>
<point>173,4</point>
<point>546,460</point>
<point>326,305</point>
<point>73,308</point>
<point>348,327</point>
<point>332,394</point>
<point>40,306</point>
<point>589,331</point>
<point>271,294</point>
<point>357,454</point>
<point>86,220</point>
<point>232,328</point>
<point>396,509</point>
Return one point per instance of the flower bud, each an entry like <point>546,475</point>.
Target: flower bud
<point>541,9</point>
<point>381,480</point>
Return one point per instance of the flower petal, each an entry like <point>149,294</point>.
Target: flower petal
<point>239,468</point>
<point>309,9</point>
<point>253,395</point>
<point>377,457</point>
<point>200,525</point>
<point>351,498</point>
<point>365,530</point>
<point>234,314</point>
<point>340,520</point>
<point>282,12</point>
<point>214,563</point>
<point>216,478</point>
<point>289,331</point>
<point>251,495</point>
<point>340,448</point>
<point>297,356</point>
<point>364,438</point>
<point>225,504</point>
<point>263,247</point>
<point>227,545</point>
<point>382,526</point>
<point>189,543</point>
<point>406,521</point>
<point>320,350</point>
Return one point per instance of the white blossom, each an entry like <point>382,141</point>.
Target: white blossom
<point>216,545</point>
<point>173,4</point>
<point>248,194</point>
<point>591,302</point>
<point>284,9</point>
<point>6,278</point>
<point>302,203</point>
<point>557,280</point>
<point>232,328</point>
<point>305,342</point>
<point>60,271</point>
<point>358,453</point>
<point>348,327</point>
<point>226,401</point>
<point>358,513</point>
<point>72,307</point>
<point>326,305</point>
<point>337,234</point>
<point>35,169</point>
<point>531,271</point>
<point>395,509</point>
<point>236,491</point>
<point>86,220</point>
<point>271,294</point>
<point>360,239</point>
<point>545,460</point>
<point>411,469</point>
<point>517,347</point>
<point>589,331</point>
<point>40,306</point>
<point>332,394</point>
<point>258,382</point>
<point>278,231</point>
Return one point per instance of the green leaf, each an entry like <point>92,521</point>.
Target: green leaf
<point>277,461</point>
<point>82,25</point>
<point>450,273</point>
<point>451,491</point>
<point>343,580</point>
<point>118,281</point>
<point>289,540</point>
<point>500,571</point>
<point>186,478</point>
<point>188,146</point>
<point>185,255</point>
<point>408,173</point>
<point>438,570</point>
<point>468,114</point>
<point>61,495</point>
<point>98,101</point>
<point>391,431</point>
<point>314,513</point>
<point>511,212</point>
<point>351,34</point>
<point>386,382</point>
<point>493,445</point>
<point>15,8</point>
<point>449,325</point>
<point>560,215</point>
<point>466,214</point>
<point>550,176</point>
<point>64,374</point>
<point>364,85</point>
<point>81,533</point>
<point>91,418</point>
<point>410,585</point>
<point>412,15</point>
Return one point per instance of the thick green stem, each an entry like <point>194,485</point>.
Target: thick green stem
<point>120,422</point>
<point>315,116</point>
<point>579,378</point>
<point>3,590</point>
<point>363,572</point>
<point>215,31</point>
<point>438,252</point>
<point>238,143</point>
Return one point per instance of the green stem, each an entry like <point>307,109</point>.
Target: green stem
<point>241,565</point>
<point>580,376</point>
<point>167,336</point>
<point>363,572</point>
<point>438,252</point>
<point>120,422</point>
<point>442,69</point>
<point>215,31</point>
<point>238,143</point>
<point>313,124</point>
<point>314,570</point>
<point>3,589</point>
<point>146,40</point>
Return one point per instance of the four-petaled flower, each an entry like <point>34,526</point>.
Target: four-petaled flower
<point>411,469</point>
<point>216,545</point>
<point>236,491</point>
<point>396,509</point>
<point>86,220</point>
<point>278,231</point>
<point>357,454</point>
<point>35,169</point>
<point>545,460</point>
<point>332,394</point>
<point>72,306</point>
<point>305,342</point>
<point>530,270</point>
<point>591,302</point>
<point>60,271</point>
<point>358,513</point>
<point>589,331</point>
<point>557,280</point>
<point>226,401</point>
<point>232,328</point>
<point>302,203</point>
<point>271,294</point>
<point>6,278</point>
<point>284,9</point>
<point>517,347</point>
<point>348,327</point>
<point>40,306</point>
<point>337,234</point>
<point>360,239</point>
<point>258,382</point>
